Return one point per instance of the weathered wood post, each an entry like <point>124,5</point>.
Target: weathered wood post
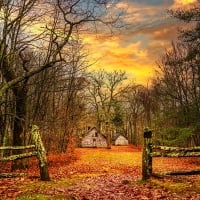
<point>146,156</point>
<point>41,153</point>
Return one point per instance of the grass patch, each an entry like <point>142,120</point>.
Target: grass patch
<point>32,197</point>
<point>197,186</point>
<point>44,197</point>
<point>45,190</point>
<point>176,187</point>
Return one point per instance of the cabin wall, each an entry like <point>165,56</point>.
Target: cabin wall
<point>121,141</point>
<point>93,139</point>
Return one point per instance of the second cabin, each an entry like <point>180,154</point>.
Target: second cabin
<point>120,140</point>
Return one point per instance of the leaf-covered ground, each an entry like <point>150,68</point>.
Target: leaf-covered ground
<point>102,174</point>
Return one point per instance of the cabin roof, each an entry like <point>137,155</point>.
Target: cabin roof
<point>119,134</point>
<point>91,129</point>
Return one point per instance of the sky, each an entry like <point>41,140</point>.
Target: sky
<point>139,46</point>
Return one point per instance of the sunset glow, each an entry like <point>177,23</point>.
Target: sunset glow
<point>186,1</point>
<point>137,48</point>
<point>111,55</point>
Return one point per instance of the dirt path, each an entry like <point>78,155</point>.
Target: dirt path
<point>101,174</point>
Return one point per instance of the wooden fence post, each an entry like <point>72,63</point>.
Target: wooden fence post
<point>146,156</point>
<point>41,153</point>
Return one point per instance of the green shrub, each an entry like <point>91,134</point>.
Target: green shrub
<point>175,136</point>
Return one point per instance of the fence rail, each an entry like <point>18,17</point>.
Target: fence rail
<point>39,152</point>
<point>17,147</point>
<point>19,156</point>
<point>164,151</point>
<point>150,151</point>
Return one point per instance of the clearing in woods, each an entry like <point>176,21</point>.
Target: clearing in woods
<point>102,174</point>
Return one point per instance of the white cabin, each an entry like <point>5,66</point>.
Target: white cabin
<point>93,139</point>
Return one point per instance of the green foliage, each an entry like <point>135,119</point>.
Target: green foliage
<point>196,128</point>
<point>175,136</point>
<point>176,88</point>
<point>117,118</point>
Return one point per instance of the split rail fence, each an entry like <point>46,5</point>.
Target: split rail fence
<point>38,151</point>
<point>150,151</point>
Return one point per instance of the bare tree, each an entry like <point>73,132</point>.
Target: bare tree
<point>32,41</point>
<point>61,87</point>
<point>135,110</point>
<point>104,90</point>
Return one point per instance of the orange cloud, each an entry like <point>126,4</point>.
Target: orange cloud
<point>111,55</point>
<point>185,3</point>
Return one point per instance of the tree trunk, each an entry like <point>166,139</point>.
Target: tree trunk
<point>134,132</point>
<point>19,124</point>
<point>109,140</point>
<point>108,134</point>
